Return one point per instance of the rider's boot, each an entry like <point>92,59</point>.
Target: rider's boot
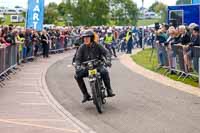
<point>86,95</point>
<point>108,88</point>
<point>110,93</point>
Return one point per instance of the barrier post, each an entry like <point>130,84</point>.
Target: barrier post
<point>199,71</point>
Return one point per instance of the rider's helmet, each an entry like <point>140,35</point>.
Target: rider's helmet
<point>109,31</point>
<point>90,34</point>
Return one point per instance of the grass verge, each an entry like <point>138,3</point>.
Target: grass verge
<point>143,59</point>
<point>7,21</point>
<point>146,22</point>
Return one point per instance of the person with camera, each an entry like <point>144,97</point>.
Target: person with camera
<point>161,38</point>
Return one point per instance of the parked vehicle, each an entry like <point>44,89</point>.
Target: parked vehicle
<point>184,14</point>
<point>2,18</point>
<point>16,18</point>
<point>11,12</point>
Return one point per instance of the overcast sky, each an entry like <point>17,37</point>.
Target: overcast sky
<point>12,3</point>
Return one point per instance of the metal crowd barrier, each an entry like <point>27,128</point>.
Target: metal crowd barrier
<point>196,56</point>
<point>59,45</point>
<point>2,60</point>
<point>13,55</point>
<point>55,46</point>
<point>30,52</point>
<point>199,72</point>
<point>180,66</point>
<point>8,59</point>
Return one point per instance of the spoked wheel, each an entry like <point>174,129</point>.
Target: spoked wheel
<point>104,101</point>
<point>97,98</point>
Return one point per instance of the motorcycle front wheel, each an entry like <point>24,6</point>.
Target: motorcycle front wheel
<point>97,98</point>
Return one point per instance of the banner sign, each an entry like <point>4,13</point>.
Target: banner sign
<point>35,14</point>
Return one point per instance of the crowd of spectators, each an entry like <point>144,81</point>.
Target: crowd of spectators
<point>169,38</point>
<point>29,42</point>
<point>32,43</point>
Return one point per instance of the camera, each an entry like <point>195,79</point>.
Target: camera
<point>157,26</point>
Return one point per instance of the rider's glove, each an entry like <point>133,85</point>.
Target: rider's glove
<point>78,68</point>
<point>108,63</point>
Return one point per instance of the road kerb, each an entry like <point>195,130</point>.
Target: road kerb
<point>130,64</point>
<point>55,104</point>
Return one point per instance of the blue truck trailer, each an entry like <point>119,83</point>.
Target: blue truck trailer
<point>184,14</point>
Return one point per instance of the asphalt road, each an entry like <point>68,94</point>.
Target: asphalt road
<point>141,105</point>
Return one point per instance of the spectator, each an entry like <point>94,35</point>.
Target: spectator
<point>3,40</point>
<point>36,42</point>
<point>130,44</point>
<point>195,39</point>
<point>45,45</point>
<point>123,45</point>
<point>170,52</point>
<point>191,27</point>
<point>161,39</point>
<point>28,43</point>
<point>184,42</point>
<point>19,42</point>
<point>195,42</point>
<point>140,37</point>
<point>10,38</point>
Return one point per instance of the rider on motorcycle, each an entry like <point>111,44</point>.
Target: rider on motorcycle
<point>109,42</point>
<point>77,44</point>
<point>90,50</point>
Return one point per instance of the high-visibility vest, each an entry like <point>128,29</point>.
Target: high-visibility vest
<point>108,39</point>
<point>127,36</point>
<point>20,45</point>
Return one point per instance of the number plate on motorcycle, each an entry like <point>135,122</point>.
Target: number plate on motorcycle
<point>92,72</point>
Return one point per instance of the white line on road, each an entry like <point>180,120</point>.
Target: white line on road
<point>23,92</point>
<point>35,104</point>
<point>38,126</point>
<point>37,120</point>
<point>69,65</point>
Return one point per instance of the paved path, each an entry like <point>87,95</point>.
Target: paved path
<point>141,105</point>
<point>26,106</point>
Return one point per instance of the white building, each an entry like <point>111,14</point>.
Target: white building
<point>12,11</point>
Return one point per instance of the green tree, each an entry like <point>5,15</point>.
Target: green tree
<point>99,10</point>
<point>81,13</point>
<point>180,2</point>
<point>66,7</point>
<point>123,12</point>
<point>159,8</point>
<point>88,12</point>
<point>131,12</point>
<point>51,13</point>
<point>151,8</point>
<point>62,8</point>
<point>93,12</point>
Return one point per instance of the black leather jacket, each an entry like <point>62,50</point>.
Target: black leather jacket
<point>95,51</point>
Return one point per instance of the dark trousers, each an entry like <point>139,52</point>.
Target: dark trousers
<point>36,49</point>
<point>110,49</point>
<point>84,73</point>
<point>45,50</point>
<point>114,52</point>
<point>140,42</point>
